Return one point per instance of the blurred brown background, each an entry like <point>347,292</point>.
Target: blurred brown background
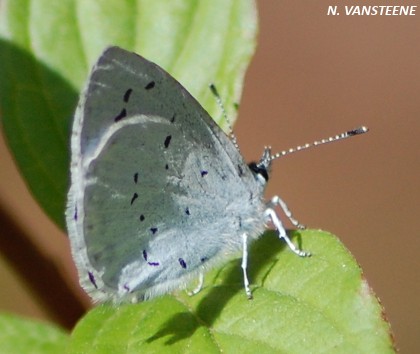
<point>314,75</point>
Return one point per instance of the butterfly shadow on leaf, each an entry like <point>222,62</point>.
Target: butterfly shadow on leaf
<point>222,286</point>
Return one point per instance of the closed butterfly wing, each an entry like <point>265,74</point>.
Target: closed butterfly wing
<point>158,191</point>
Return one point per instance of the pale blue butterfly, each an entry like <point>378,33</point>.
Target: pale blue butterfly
<point>159,193</point>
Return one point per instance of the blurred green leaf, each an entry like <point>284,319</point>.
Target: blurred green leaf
<point>320,304</point>
<point>22,336</point>
<point>48,47</point>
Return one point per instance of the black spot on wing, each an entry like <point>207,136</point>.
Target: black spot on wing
<point>187,211</point>
<point>141,217</point>
<point>167,141</point>
<point>153,230</point>
<point>173,118</point>
<point>150,85</point>
<point>133,198</point>
<point>121,115</point>
<point>92,279</point>
<point>136,177</point>
<point>127,94</point>
<point>204,173</point>
<point>145,255</point>
<point>153,264</point>
<point>182,263</point>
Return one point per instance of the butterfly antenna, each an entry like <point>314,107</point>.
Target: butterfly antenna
<point>345,135</point>
<point>222,108</point>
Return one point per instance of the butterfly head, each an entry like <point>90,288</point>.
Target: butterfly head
<point>262,168</point>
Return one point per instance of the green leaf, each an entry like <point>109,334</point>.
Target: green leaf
<point>320,304</point>
<point>21,336</point>
<point>48,47</point>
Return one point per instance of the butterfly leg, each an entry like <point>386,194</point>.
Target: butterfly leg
<point>244,264</point>
<point>276,200</point>
<point>199,286</point>
<point>282,232</point>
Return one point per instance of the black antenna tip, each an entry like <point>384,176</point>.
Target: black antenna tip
<point>359,130</point>
<point>214,90</point>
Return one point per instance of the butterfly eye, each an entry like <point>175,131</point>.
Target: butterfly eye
<point>259,171</point>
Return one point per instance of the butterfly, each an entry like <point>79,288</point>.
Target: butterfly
<point>159,193</point>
